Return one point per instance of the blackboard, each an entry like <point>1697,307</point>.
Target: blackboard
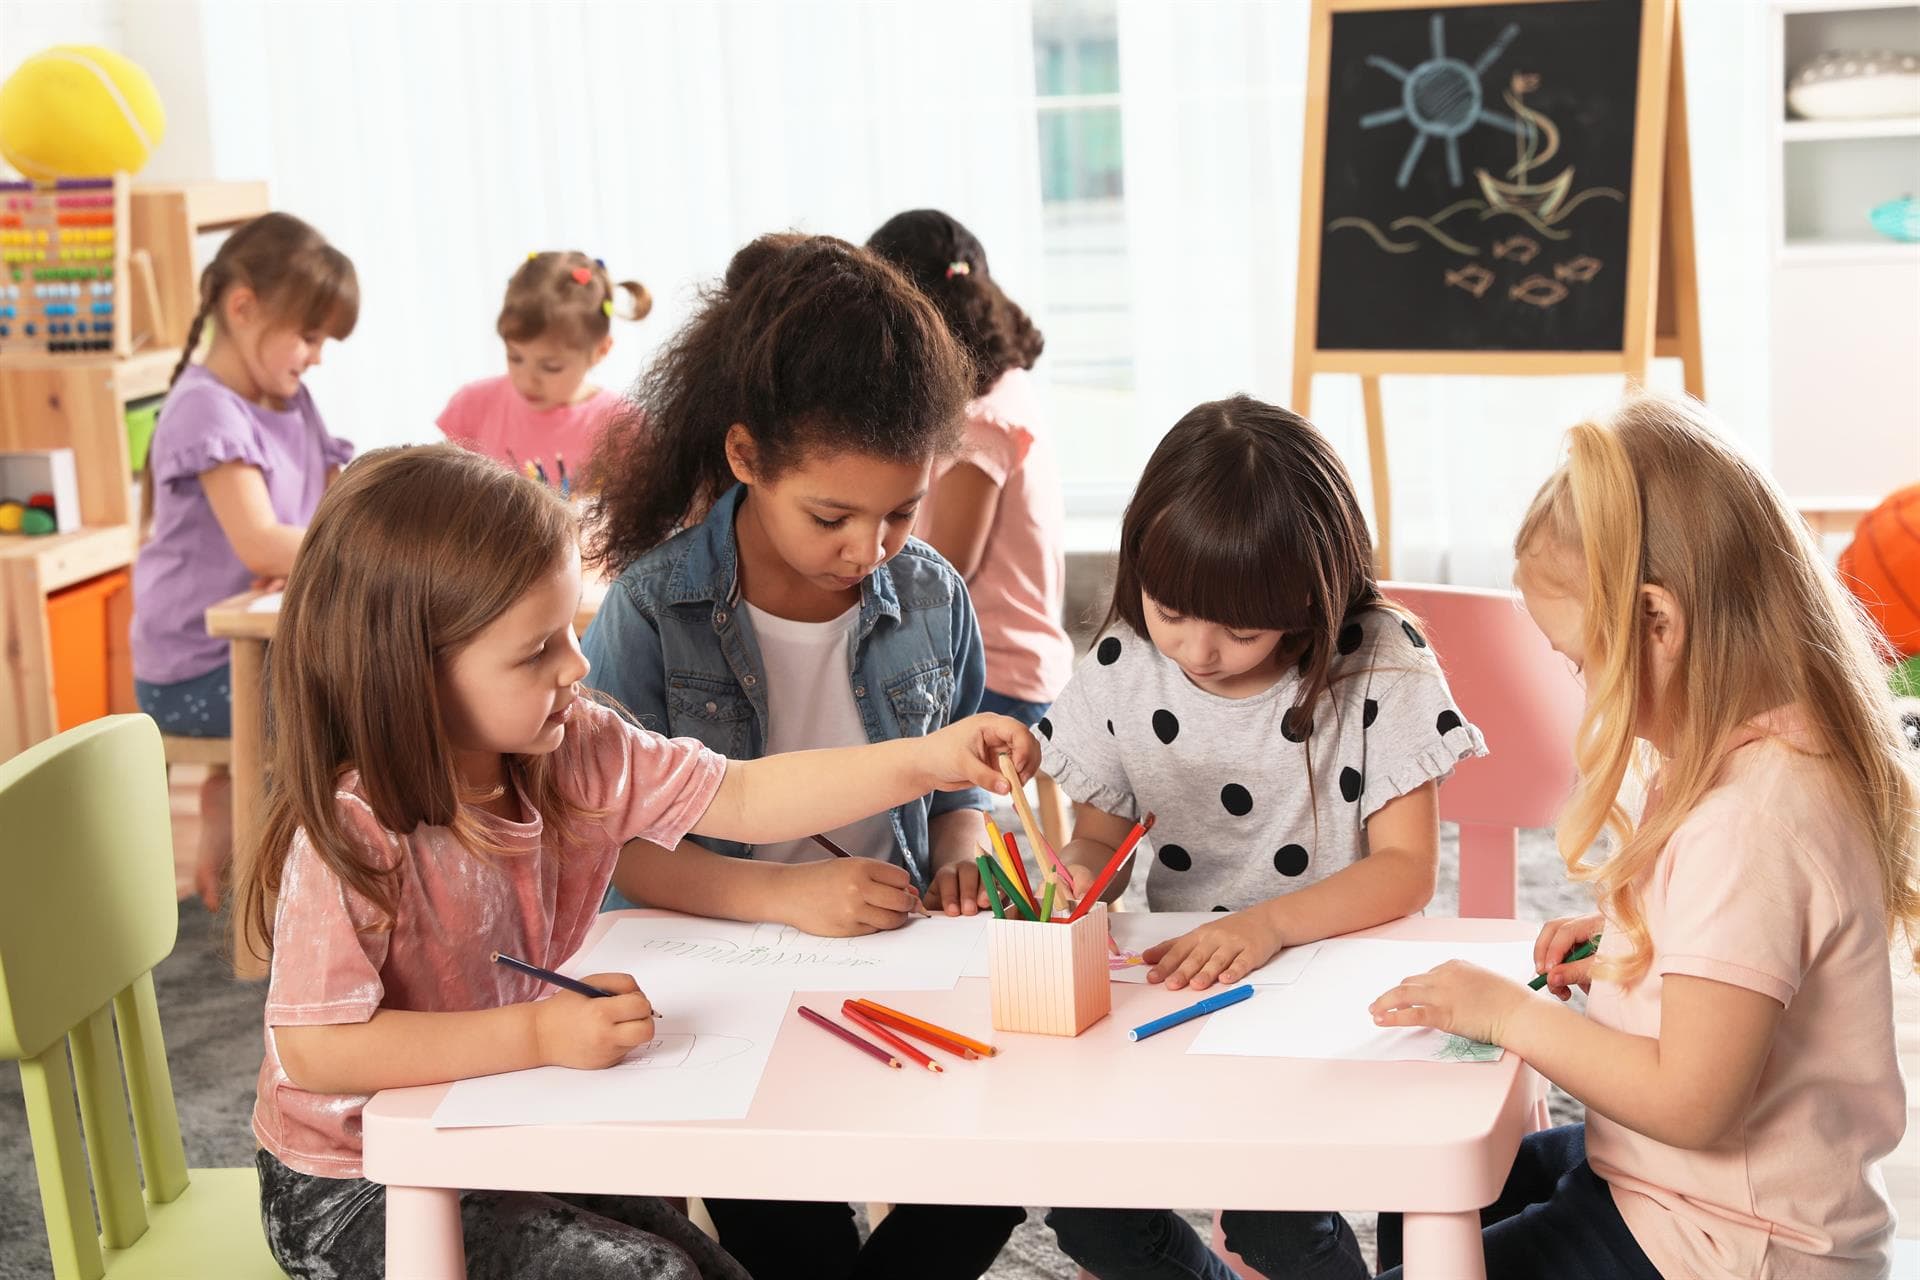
<point>1477,177</point>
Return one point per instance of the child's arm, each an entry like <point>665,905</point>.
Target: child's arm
<point>831,898</point>
<point>957,837</point>
<point>238,495</point>
<point>967,498</point>
<point>1688,1088</point>
<point>397,1048</point>
<point>1395,879</point>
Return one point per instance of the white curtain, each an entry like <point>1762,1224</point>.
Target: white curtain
<point>1214,96</point>
<point>438,144</point>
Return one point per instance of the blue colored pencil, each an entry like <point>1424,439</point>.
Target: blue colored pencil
<point>549,976</point>
<point>1198,1009</point>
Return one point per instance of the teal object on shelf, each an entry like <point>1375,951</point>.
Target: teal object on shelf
<point>1898,219</point>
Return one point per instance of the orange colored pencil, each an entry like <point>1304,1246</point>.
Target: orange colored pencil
<point>926,1031</point>
<point>852,1013</point>
<point>933,1038</point>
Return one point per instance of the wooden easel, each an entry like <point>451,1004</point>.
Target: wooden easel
<point>1662,290</point>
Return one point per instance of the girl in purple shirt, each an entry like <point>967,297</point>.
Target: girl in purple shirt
<point>239,460</point>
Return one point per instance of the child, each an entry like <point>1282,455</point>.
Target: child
<point>441,791</point>
<point>789,432</point>
<point>239,460</point>
<point>1288,727</point>
<point>996,511</point>
<point>1737,1056</point>
<point>557,325</point>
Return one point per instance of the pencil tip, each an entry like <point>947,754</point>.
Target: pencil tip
<point>934,1066</point>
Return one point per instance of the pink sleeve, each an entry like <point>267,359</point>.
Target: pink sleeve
<point>1744,905</point>
<point>456,421</point>
<point>651,787</point>
<point>329,943</point>
<point>994,445</point>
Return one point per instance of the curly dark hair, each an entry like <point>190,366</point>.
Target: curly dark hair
<point>811,344</point>
<point>949,265</point>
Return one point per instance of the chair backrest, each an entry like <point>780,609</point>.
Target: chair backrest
<point>89,910</point>
<point>1523,696</point>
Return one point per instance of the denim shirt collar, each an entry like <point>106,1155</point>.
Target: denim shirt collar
<point>709,572</point>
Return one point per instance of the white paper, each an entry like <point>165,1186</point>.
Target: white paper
<point>688,953</point>
<point>268,603</point>
<point>1135,931</point>
<point>1324,1013</point>
<point>705,1062</point>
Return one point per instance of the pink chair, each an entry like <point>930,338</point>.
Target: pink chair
<point>1526,699</point>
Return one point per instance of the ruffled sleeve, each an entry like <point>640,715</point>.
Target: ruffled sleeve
<point>1415,733</point>
<point>203,427</point>
<point>1078,749</point>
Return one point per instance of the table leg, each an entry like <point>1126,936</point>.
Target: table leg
<point>1439,1246</point>
<point>423,1234</point>
<point>249,726</point>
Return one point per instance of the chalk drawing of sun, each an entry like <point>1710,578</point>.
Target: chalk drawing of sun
<point>1442,98</point>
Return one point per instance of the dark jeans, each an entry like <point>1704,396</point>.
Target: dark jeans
<point>818,1240</point>
<point>1157,1244</point>
<point>1027,713</point>
<point>336,1229</point>
<point>1555,1218</point>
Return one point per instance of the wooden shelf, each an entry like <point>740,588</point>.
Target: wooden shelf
<point>67,558</point>
<point>213,205</point>
<point>1847,130</point>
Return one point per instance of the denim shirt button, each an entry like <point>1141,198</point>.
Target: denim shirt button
<point>750,680</point>
<point>720,617</point>
<point>712,707</point>
<point>859,691</point>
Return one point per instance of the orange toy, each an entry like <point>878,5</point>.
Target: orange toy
<point>1882,567</point>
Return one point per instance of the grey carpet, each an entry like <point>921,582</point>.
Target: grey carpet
<point>213,1038</point>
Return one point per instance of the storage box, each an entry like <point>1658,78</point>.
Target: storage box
<point>32,471</point>
<point>78,627</point>
<point>141,416</point>
<point>1049,978</point>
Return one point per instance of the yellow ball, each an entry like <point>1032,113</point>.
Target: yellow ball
<point>79,111</point>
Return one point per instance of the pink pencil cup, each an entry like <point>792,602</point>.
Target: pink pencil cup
<point>1049,978</point>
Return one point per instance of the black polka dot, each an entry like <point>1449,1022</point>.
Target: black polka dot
<point>1296,724</point>
<point>1237,799</point>
<point>1291,860</point>
<point>1350,781</point>
<point>1174,858</point>
<point>1109,651</point>
<point>1419,641</point>
<point>1220,908</point>
<point>1109,728</point>
<point>1369,714</point>
<point>1350,637</point>
<point>1449,720</point>
<point>1166,726</point>
<point>1046,728</point>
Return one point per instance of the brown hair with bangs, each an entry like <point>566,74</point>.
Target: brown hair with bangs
<point>412,552</point>
<point>1245,517</point>
<point>569,298</point>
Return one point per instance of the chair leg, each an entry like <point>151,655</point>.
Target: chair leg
<point>1489,871</point>
<point>1054,812</point>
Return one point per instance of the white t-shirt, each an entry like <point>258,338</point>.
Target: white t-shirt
<point>810,705</point>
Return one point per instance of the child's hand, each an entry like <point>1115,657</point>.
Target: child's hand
<point>1458,997</point>
<point>590,1032</point>
<point>845,897</point>
<point>1224,951</point>
<point>956,890</point>
<point>967,754</point>
<point>1557,938</point>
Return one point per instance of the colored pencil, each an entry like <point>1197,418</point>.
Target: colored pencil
<point>1020,867</point>
<point>1198,1009</point>
<point>997,844</point>
<point>1059,872</point>
<point>548,976</point>
<point>872,1028</point>
<point>1046,901</point>
<point>867,1047</point>
<point>984,863</point>
<point>831,847</point>
<point>560,465</point>
<point>1022,809</point>
<point>1580,952</point>
<point>912,1025</point>
<point>1113,866</point>
<point>1026,909</point>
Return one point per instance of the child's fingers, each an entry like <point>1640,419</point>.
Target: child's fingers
<point>1168,956</point>
<point>1195,963</point>
<point>617,983</point>
<point>877,919</point>
<point>631,1035</point>
<point>1215,969</point>
<point>1402,999</point>
<point>1417,1015</point>
<point>631,1007</point>
<point>969,894</point>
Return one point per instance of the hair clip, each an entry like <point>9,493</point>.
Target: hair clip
<point>606,308</point>
<point>958,269</point>
<point>582,275</point>
<point>600,263</point>
<point>533,255</point>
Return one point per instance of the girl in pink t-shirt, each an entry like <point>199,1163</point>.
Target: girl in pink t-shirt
<point>995,510</point>
<point>1736,1058</point>
<point>441,791</point>
<point>543,416</point>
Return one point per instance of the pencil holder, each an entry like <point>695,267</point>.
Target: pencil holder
<point>1049,978</point>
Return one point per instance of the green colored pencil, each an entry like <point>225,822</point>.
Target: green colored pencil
<point>1046,902</point>
<point>986,878</point>
<point>1014,896</point>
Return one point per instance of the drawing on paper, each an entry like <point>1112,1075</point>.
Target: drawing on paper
<point>770,946</point>
<point>683,1050</point>
<point>1460,1049</point>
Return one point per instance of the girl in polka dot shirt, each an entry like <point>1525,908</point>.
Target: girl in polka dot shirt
<point>1288,727</point>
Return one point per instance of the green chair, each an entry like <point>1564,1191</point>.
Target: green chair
<point>87,912</point>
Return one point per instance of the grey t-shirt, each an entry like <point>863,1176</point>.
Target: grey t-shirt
<point>1247,804</point>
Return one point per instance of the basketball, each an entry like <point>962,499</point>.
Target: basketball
<point>1882,567</point>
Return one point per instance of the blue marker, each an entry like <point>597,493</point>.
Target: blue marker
<point>1198,1009</point>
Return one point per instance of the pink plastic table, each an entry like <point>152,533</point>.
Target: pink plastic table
<point>1089,1121</point>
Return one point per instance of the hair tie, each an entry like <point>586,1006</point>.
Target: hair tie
<point>531,256</point>
<point>582,275</point>
<point>958,269</point>
<point>600,263</point>
<point>606,308</point>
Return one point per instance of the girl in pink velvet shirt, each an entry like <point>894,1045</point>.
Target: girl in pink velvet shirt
<point>440,791</point>
<point>1736,1058</point>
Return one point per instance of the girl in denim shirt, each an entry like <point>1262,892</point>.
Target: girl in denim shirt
<point>771,599</point>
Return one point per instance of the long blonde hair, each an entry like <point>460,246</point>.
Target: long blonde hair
<point>412,552</point>
<point>1654,495</point>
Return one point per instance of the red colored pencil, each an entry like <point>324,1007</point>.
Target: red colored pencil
<point>1112,868</point>
<point>1020,866</point>
<point>930,1033</point>
<point>865,1046</point>
<point>851,1013</point>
